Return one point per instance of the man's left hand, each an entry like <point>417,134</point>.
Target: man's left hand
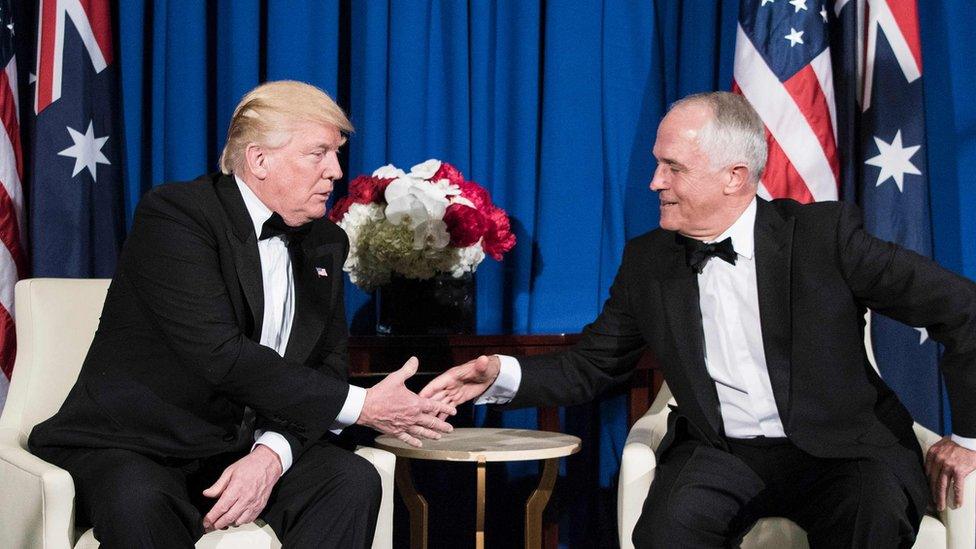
<point>243,489</point>
<point>947,461</point>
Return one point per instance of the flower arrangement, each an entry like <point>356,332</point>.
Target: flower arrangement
<point>418,224</point>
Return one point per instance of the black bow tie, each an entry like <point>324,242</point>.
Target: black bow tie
<point>275,226</point>
<point>697,252</point>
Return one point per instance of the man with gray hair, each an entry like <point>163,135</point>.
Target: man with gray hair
<point>755,311</point>
<point>219,366</point>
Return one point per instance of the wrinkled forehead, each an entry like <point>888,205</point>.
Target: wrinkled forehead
<point>309,134</point>
<point>679,129</point>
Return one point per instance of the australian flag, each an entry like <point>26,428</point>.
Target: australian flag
<point>878,70</point>
<point>76,206</point>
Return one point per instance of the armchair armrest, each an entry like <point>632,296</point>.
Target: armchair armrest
<point>960,522</point>
<point>385,462</point>
<point>37,497</point>
<point>637,466</point>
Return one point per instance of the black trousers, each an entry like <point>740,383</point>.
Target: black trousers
<point>328,498</point>
<point>704,496</point>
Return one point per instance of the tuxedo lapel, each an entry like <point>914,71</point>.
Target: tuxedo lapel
<point>314,269</point>
<point>244,246</point>
<point>774,246</point>
<point>683,314</point>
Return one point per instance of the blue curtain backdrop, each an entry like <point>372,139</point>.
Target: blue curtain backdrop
<point>551,105</point>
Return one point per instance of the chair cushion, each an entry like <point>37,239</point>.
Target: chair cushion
<point>775,532</point>
<point>249,536</point>
<point>784,533</point>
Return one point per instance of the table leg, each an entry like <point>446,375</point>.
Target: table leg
<point>479,533</point>
<point>416,504</point>
<point>537,502</point>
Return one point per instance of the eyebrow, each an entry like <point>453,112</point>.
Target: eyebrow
<point>671,162</point>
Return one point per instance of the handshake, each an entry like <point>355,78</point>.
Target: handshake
<point>392,409</point>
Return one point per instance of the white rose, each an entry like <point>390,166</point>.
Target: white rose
<point>426,170</point>
<point>416,201</point>
<point>431,233</point>
<point>388,172</point>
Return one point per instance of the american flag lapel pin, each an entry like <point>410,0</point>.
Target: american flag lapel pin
<point>321,272</point>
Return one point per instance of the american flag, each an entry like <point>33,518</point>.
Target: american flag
<point>13,260</point>
<point>783,67</point>
<point>839,87</point>
<point>76,207</point>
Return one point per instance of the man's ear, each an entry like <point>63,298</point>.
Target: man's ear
<point>738,178</point>
<point>256,159</point>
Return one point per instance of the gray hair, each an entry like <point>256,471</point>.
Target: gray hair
<point>734,134</point>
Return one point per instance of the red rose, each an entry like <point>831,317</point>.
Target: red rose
<point>340,208</point>
<point>465,224</point>
<point>499,238</point>
<point>476,194</point>
<point>448,172</point>
<point>365,189</point>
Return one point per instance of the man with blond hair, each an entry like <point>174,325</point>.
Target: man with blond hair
<point>218,371</point>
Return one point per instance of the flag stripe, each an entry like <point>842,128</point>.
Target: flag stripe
<point>783,119</point>
<point>8,343</point>
<point>781,178</point>
<point>906,16</point>
<point>46,89</point>
<point>11,235</point>
<point>97,15</point>
<point>804,88</point>
<point>821,66</point>
<point>11,125</point>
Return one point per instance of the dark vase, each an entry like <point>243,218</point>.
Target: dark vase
<point>437,306</point>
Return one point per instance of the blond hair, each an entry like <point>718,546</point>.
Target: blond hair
<point>266,116</point>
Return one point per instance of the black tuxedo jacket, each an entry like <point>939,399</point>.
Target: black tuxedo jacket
<point>175,369</point>
<point>817,270</point>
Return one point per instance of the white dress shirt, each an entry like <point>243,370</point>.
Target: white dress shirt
<point>734,355</point>
<point>278,285</point>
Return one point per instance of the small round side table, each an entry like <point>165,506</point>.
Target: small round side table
<point>482,445</point>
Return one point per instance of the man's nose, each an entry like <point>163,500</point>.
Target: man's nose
<point>332,170</point>
<point>658,181</point>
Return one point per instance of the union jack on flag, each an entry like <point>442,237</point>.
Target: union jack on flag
<point>76,186</point>
<point>839,87</point>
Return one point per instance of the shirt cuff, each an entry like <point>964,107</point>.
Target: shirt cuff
<point>351,408</point>
<point>278,445</point>
<point>965,442</point>
<point>503,390</point>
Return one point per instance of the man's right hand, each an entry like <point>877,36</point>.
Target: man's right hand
<point>392,409</point>
<point>465,382</point>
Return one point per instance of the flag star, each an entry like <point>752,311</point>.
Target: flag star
<point>795,37</point>
<point>764,2</point>
<point>31,78</point>
<point>798,5</point>
<point>86,150</point>
<point>894,160</point>
<point>923,335</point>
<point>823,13</point>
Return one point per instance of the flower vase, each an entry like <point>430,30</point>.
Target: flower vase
<point>440,305</point>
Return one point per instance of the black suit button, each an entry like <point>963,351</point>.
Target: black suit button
<point>229,437</point>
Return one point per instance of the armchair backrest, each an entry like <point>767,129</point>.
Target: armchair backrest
<point>56,321</point>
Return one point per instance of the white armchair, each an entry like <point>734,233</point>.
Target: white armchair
<point>56,321</point>
<point>951,529</point>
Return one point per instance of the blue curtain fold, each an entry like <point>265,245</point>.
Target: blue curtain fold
<point>552,106</point>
